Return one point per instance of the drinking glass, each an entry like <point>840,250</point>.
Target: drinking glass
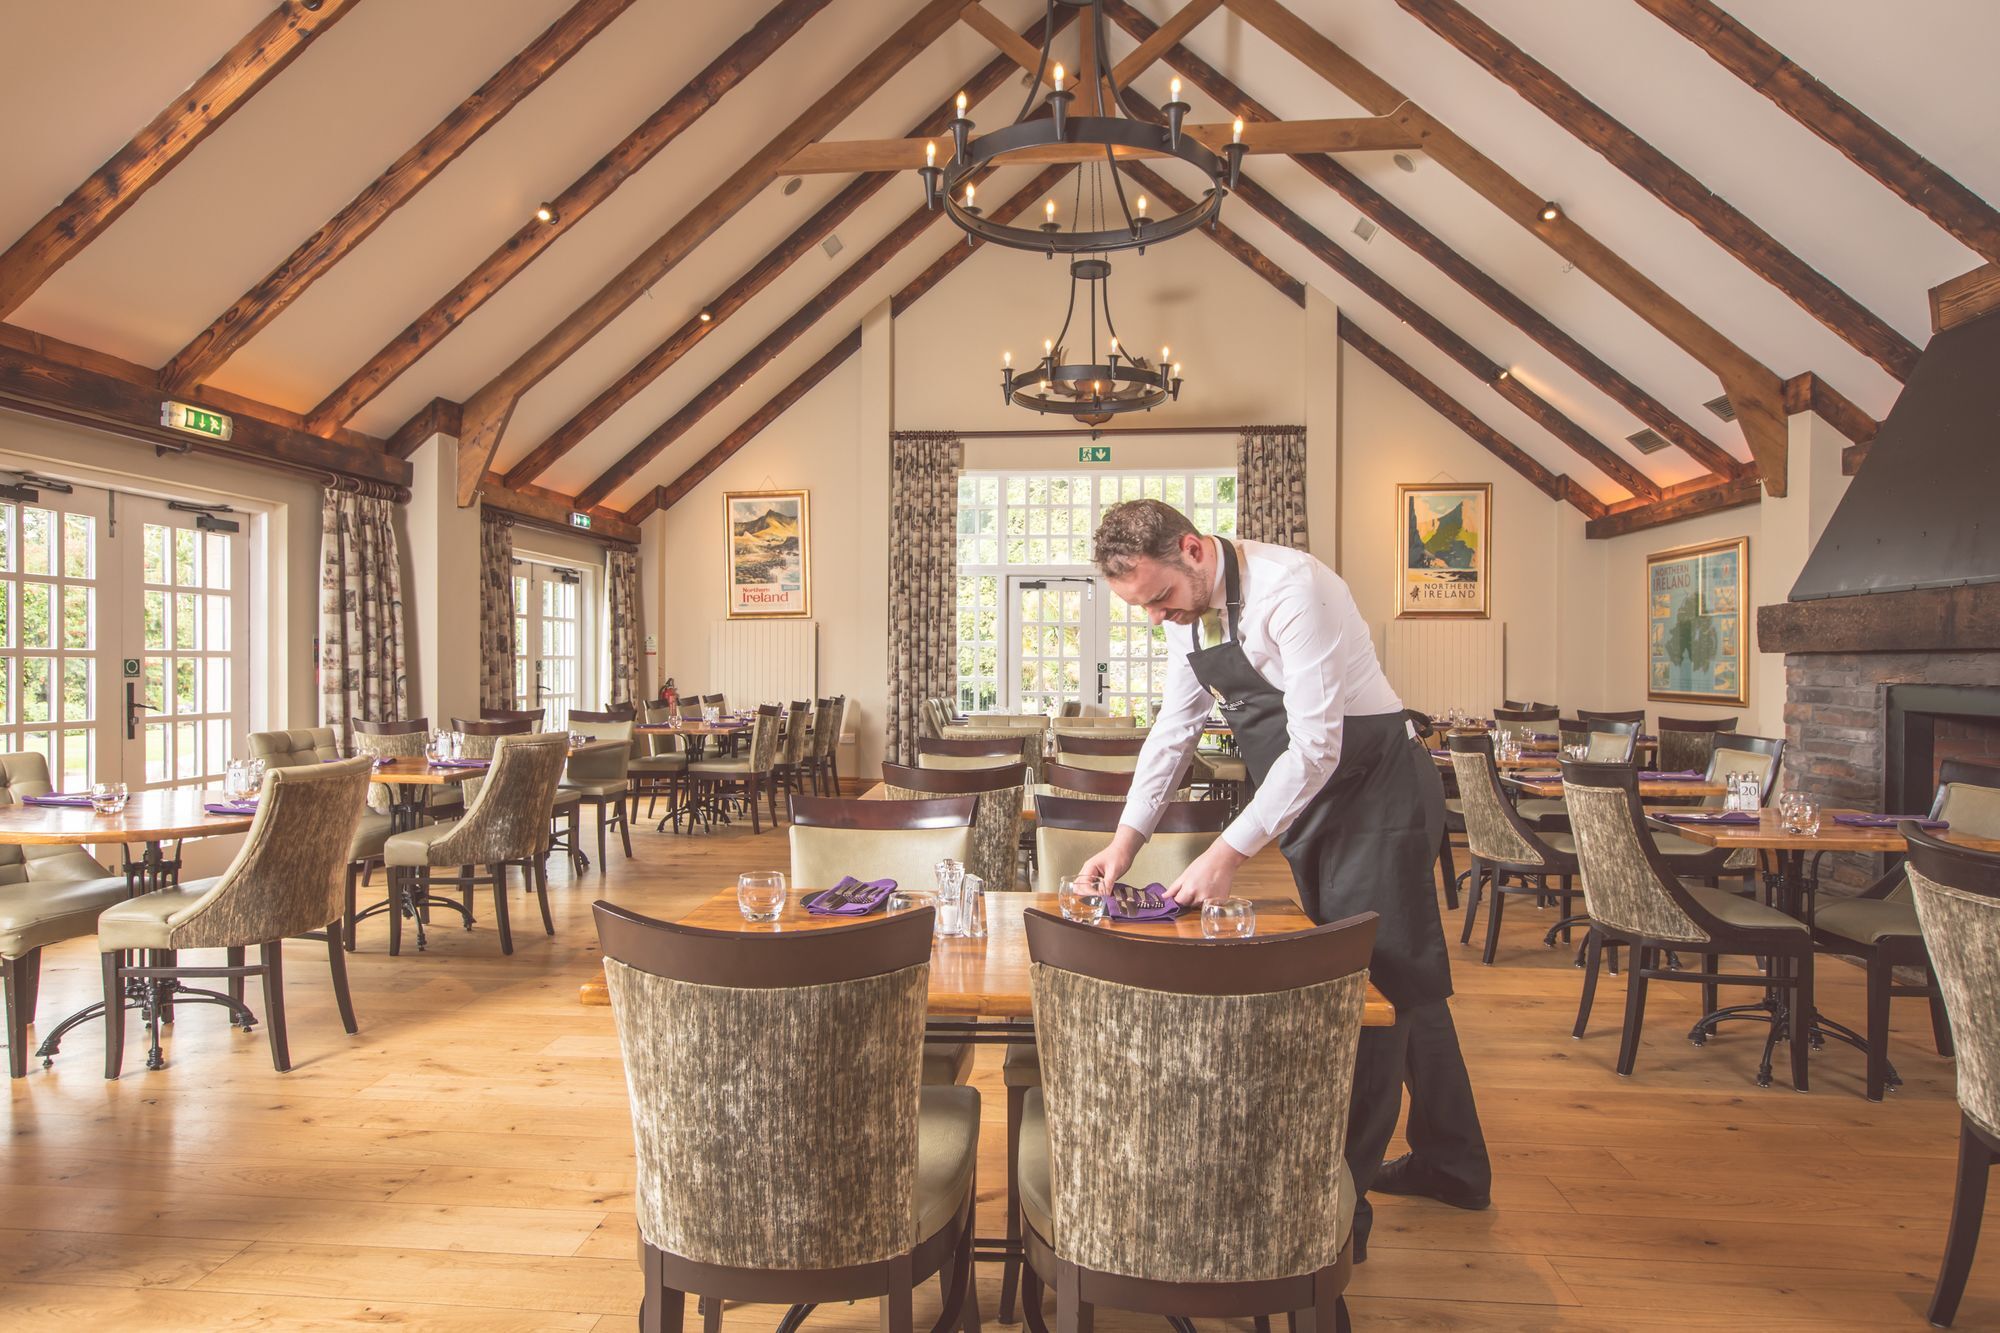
<point>1228,919</point>
<point>1081,900</point>
<point>760,894</point>
<point>253,776</point>
<point>1576,751</point>
<point>909,900</point>
<point>950,874</point>
<point>1799,812</point>
<point>232,781</point>
<point>107,798</point>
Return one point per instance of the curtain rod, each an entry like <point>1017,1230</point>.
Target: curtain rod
<point>1097,433</point>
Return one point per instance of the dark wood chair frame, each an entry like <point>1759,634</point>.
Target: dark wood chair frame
<point>1970,872</point>
<point>1255,966</point>
<point>1500,878</point>
<point>775,962</point>
<point>974,746</point>
<point>710,794</point>
<point>853,813</point>
<point>1534,713</point>
<point>566,833</point>
<point>363,871</point>
<point>1789,953</point>
<point>955,781</point>
<point>1096,781</point>
<point>1636,716</point>
<point>535,715</point>
<point>1077,743</point>
<point>605,805</point>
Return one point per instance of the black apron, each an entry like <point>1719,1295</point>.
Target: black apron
<point>1368,841</point>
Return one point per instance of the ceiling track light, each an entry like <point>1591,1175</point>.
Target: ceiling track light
<point>1550,212</point>
<point>547,213</point>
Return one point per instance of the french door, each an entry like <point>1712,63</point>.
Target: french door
<point>1054,624</point>
<point>550,663</point>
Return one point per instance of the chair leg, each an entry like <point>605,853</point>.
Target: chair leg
<point>1968,1207</point>
<point>1450,872</point>
<point>1472,899</point>
<point>348,909</point>
<point>1879,975</point>
<point>1940,1020</point>
<point>625,824</point>
<point>114,1015</point>
<point>1493,909</point>
<point>663,1307</point>
<point>1072,1315</point>
<point>603,814</point>
<point>1802,1015</point>
<point>1593,957</point>
<point>750,799</point>
<point>1711,994</point>
<point>397,877</point>
<point>500,907</point>
<point>234,956</point>
<point>1010,1272</point>
<point>22,976</point>
<point>1636,964</point>
<point>540,879</point>
<point>336,957</point>
<point>465,887</point>
<point>272,956</point>
<point>896,1303</point>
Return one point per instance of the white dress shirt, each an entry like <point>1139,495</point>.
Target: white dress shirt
<point>1304,635</point>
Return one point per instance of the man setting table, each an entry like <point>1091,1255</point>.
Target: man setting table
<point>1342,785</point>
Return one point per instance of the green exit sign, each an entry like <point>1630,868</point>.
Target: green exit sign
<point>1093,453</point>
<point>195,421</point>
<point>578,519</point>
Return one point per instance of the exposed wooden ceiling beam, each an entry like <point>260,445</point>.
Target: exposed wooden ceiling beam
<point>1965,297</point>
<point>353,224</point>
<point>553,508</point>
<point>773,345</point>
<point>1709,499</point>
<point>760,275</point>
<point>1354,134</point>
<point>1670,183</point>
<point>437,417</point>
<point>1810,393</point>
<point>35,382</point>
<point>1913,178</point>
<point>1642,405</point>
<point>1163,39</point>
<point>1232,242</point>
<point>912,292</point>
<point>1459,415</point>
<point>1754,389</point>
<point>586,192</point>
<point>1016,48</point>
<point>492,406</point>
<point>259,56</point>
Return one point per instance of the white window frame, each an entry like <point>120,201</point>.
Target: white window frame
<point>531,568</point>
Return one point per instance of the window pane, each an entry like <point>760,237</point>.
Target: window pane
<point>153,684</point>
<point>217,630</point>
<point>187,693</point>
<point>37,535</point>
<point>79,545</point>
<point>35,701</point>
<point>77,761</point>
<point>187,752</point>
<point>185,621</point>
<point>76,693</point>
<point>79,615</point>
<point>187,557</point>
<point>216,558</point>
<point>36,629</point>
<point>156,553</point>
<point>156,620</point>
<point>158,752</point>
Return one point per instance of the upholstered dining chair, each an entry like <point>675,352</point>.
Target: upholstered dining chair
<point>996,822</point>
<point>1087,724</point>
<point>1761,756</point>
<point>1509,855</point>
<point>600,772</point>
<point>1031,736</point>
<point>1157,1044</point>
<point>786,1153</point>
<point>291,749</point>
<point>284,882</point>
<point>1879,926</point>
<point>506,824</point>
<point>318,745</point>
<point>825,743</point>
<point>658,766</point>
<point>1687,742</point>
<point>1635,896</point>
<point>746,775</point>
<point>565,813</point>
<point>1518,722</point>
<point>533,716</point>
<point>1095,784</point>
<point>788,771</point>
<point>1957,893</point>
<point>1604,742</point>
<point>1111,753</point>
<point>972,752</point>
<point>48,894</point>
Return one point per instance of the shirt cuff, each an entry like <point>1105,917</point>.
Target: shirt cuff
<point>1246,836</point>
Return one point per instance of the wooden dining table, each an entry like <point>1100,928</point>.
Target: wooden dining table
<point>1650,789</point>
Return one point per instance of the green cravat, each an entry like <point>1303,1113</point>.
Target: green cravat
<point>1211,628</point>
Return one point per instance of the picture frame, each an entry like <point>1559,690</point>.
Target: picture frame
<point>767,566</point>
<point>1444,532</point>
<point>1696,642</point>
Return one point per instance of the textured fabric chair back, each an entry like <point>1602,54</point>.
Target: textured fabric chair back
<point>1687,743</point>
<point>22,775</point>
<point>286,878</point>
<point>797,723</point>
<point>482,736</point>
<point>396,740</point>
<point>1623,887</point>
<point>1958,906</point>
<point>996,817</point>
<point>1069,831</point>
<point>1031,739</point>
<point>762,751</point>
<point>1103,763</point>
<point>508,820</point>
<point>825,733</point>
<point>1493,831</point>
<point>773,1083</point>
<point>532,716</point>
<point>1611,742</point>
<point>1090,784</point>
<point>1197,1096</point>
<point>293,749</point>
<point>899,840</point>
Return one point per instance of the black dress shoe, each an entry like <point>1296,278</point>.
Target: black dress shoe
<point>1405,1175</point>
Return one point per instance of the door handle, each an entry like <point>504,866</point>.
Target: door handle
<point>132,710</point>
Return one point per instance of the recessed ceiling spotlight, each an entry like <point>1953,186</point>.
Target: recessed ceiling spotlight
<point>706,316</point>
<point>547,213</point>
<point>1404,162</point>
<point>792,185</point>
<point>1550,212</point>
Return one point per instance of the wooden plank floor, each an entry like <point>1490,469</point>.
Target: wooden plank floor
<point>465,1162</point>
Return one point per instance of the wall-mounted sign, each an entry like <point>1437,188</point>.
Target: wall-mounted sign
<point>131,667</point>
<point>578,519</point>
<point>1093,453</point>
<point>195,421</point>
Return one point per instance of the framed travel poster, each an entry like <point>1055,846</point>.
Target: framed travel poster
<point>1446,535</point>
<point>769,566</point>
<point>1694,623</point>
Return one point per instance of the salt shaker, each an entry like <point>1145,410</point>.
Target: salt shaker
<point>972,908</point>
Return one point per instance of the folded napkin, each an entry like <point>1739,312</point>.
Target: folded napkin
<point>1440,754</point>
<point>851,897</point>
<point>1889,821</point>
<point>1711,817</point>
<point>1544,735</point>
<point>464,763</point>
<point>1115,904</point>
<point>248,807</point>
<point>1676,775</point>
<point>67,800</point>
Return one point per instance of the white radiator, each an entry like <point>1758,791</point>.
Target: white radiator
<point>1438,665</point>
<point>763,661</point>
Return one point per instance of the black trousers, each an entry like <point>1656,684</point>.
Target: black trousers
<point>1419,1051</point>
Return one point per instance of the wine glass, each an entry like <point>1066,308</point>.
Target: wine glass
<point>760,894</point>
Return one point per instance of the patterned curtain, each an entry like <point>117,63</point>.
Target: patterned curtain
<point>622,571</point>
<point>496,611</point>
<point>362,671</point>
<point>1271,485</point>
<point>923,581</point>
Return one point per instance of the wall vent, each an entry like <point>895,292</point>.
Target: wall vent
<point>1647,441</point>
<point>832,246</point>
<point>1722,407</point>
<point>1365,230</point>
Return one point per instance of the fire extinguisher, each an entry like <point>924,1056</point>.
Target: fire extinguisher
<point>670,696</point>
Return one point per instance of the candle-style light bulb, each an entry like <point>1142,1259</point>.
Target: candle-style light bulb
<point>930,153</point>
<point>961,106</point>
<point>1059,76</point>
<point>1177,370</point>
<point>1166,355</point>
<point>1007,360</point>
<point>1142,205</point>
<point>1048,347</point>
<point>1114,347</point>
<point>1175,87</point>
<point>1049,210</point>
<point>1239,131</point>
<point>968,194</point>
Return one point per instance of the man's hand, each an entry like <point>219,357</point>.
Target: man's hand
<point>1110,865</point>
<point>1210,877</point>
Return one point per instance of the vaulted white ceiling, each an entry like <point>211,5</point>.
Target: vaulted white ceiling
<point>96,70</point>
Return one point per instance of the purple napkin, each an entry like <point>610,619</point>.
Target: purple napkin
<point>1440,754</point>
<point>1545,735</point>
<point>67,800</point>
<point>1117,911</point>
<point>248,807</point>
<point>863,897</point>
<point>1676,775</point>
<point>465,763</point>
<point>1712,817</point>
<point>1888,821</point>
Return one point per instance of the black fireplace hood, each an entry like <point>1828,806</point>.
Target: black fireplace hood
<point>1924,510</point>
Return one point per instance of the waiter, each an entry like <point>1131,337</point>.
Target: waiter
<point>1342,785</point>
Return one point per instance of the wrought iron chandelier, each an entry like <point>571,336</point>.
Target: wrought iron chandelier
<point>1108,381</point>
<point>1060,136</point>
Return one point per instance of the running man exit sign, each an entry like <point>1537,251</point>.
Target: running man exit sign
<point>1093,453</point>
<point>195,421</point>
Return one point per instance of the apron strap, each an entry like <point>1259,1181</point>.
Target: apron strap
<point>1232,591</point>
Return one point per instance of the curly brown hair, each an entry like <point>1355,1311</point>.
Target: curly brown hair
<point>1136,530</point>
